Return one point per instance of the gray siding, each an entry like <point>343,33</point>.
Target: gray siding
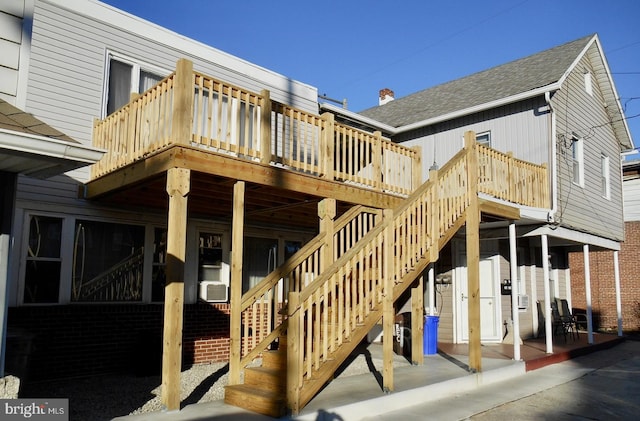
<point>521,128</point>
<point>584,208</point>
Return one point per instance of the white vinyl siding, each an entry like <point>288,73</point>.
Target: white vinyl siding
<point>583,116</point>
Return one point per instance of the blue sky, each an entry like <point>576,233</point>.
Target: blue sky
<point>352,49</point>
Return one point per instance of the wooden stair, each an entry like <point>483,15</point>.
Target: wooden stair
<point>264,386</point>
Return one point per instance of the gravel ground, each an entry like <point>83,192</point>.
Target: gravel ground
<point>106,397</point>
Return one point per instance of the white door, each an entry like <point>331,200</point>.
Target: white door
<point>490,326</point>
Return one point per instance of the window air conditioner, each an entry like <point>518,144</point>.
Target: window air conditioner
<point>523,301</point>
<point>214,287</point>
<point>214,291</point>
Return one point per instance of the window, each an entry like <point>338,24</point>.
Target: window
<point>125,77</point>
<point>588,86</point>
<point>606,179</point>
<point>578,161</point>
<point>43,261</point>
<point>107,262</point>
<point>484,139</point>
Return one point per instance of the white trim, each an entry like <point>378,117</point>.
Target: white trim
<point>25,54</point>
<point>575,236</point>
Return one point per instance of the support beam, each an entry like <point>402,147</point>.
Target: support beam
<point>178,185</point>
<point>388,313</point>
<point>473,255</point>
<point>265,127</point>
<point>417,321</point>
<point>547,294</point>
<point>616,274</point>
<point>237,239</point>
<point>587,293</point>
<point>515,290</point>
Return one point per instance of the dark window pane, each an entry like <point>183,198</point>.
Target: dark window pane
<point>119,85</point>
<point>42,282</point>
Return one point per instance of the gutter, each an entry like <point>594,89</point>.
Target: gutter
<point>50,147</point>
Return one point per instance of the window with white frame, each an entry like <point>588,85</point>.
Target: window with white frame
<point>605,176</point>
<point>484,139</point>
<point>43,260</point>
<point>577,155</point>
<point>126,76</point>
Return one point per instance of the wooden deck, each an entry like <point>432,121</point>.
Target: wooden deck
<point>533,351</point>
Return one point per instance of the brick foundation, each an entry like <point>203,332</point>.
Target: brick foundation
<point>45,342</point>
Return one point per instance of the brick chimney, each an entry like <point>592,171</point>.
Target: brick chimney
<point>386,95</point>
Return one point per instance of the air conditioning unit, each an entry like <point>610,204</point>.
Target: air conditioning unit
<point>214,291</point>
<point>214,286</point>
<point>523,301</point>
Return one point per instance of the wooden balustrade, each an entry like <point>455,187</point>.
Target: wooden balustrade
<point>222,118</point>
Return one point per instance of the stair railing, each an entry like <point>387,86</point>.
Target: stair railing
<point>262,307</point>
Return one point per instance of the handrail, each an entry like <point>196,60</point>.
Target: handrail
<point>262,306</point>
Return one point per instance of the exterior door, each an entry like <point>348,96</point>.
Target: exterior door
<point>490,326</point>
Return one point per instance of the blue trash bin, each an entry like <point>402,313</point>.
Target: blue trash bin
<point>430,342</point>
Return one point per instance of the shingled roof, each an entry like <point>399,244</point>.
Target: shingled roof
<point>514,78</point>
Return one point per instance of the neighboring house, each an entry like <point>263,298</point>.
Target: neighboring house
<point>558,108</point>
<point>606,310</point>
<point>229,216</point>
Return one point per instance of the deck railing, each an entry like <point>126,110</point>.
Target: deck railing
<point>192,109</point>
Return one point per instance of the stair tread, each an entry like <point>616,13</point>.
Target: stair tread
<point>257,392</point>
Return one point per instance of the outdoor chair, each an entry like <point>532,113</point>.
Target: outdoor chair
<point>560,324</point>
<point>568,320</point>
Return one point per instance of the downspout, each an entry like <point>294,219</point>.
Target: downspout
<point>551,216</point>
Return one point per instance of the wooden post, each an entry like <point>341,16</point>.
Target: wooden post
<point>388,313</point>
<point>511,189</point>
<point>265,127</point>
<point>329,145</point>
<point>416,166</point>
<point>417,322</point>
<point>376,157</point>
<point>616,278</point>
<point>327,213</point>
<point>178,184</point>
<point>235,318</point>
<point>294,353</point>
<point>473,254</point>
<point>587,293</point>
<point>182,112</point>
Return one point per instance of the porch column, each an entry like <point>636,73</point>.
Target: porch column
<point>547,295</point>
<point>513,258</point>
<point>587,293</point>
<point>431,280</point>
<point>388,313</point>
<point>473,255</point>
<point>235,319</point>
<point>616,274</point>
<point>178,185</point>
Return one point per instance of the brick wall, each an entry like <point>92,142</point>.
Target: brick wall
<point>81,340</point>
<point>603,298</point>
